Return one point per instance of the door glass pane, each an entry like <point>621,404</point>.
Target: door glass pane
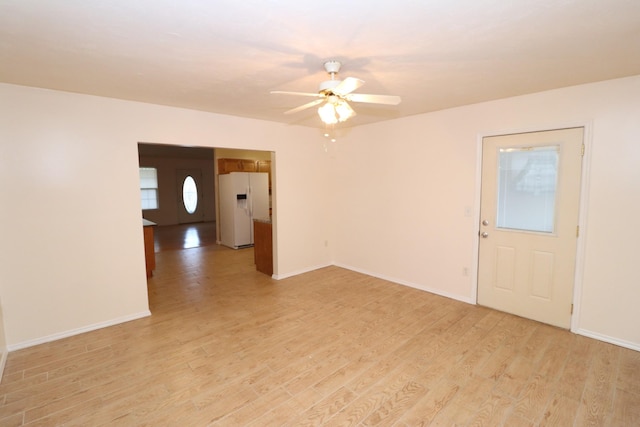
<point>527,180</point>
<point>190,194</point>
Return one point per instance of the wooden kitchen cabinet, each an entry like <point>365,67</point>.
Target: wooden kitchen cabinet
<point>237,165</point>
<point>263,246</point>
<point>149,247</point>
<point>264,166</point>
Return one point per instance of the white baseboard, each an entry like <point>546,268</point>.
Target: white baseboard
<point>390,279</point>
<point>409,284</point>
<point>611,340</point>
<point>72,332</point>
<point>295,273</point>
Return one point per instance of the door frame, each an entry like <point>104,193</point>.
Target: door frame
<point>582,215</point>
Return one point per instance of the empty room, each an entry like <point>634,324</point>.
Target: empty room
<point>451,196</point>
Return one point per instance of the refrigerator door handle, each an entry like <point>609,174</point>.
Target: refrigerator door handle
<point>249,208</point>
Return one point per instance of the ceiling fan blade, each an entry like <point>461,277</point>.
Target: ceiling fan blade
<point>373,99</point>
<point>284,92</point>
<point>304,106</point>
<point>347,86</point>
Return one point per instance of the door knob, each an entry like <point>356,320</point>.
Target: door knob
<point>485,235</point>
<point>485,222</point>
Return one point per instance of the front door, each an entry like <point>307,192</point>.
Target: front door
<point>189,186</point>
<point>529,223</point>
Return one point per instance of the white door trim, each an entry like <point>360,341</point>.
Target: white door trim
<point>582,216</point>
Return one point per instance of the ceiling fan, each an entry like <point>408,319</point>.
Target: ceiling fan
<point>333,95</point>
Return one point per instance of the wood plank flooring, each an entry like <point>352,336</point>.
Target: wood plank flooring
<point>184,236</point>
<point>228,346</point>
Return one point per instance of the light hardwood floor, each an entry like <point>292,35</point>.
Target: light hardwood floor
<point>229,346</point>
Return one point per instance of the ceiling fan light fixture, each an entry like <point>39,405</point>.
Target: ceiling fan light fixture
<point>344,111</point>
<point>327,113</point>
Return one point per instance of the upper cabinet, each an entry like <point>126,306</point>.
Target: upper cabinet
<point>264,166</point>
<point>237,165</point>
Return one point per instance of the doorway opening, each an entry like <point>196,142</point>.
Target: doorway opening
<point>187,210</point>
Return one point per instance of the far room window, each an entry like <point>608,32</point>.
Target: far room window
<point>149,188</point>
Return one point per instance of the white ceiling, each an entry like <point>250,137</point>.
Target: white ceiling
<point>225,56</point>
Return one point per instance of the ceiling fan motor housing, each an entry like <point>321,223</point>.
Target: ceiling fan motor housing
<point>328,85</point>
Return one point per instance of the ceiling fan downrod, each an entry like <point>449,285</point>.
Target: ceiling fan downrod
<point>331,67</point>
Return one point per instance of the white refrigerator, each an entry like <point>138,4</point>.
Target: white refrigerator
<point>243,197</point>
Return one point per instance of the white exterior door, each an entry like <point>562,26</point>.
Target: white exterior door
<point>529,223</point>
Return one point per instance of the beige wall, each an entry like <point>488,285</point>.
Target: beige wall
<point>405,203</point>
<point>72,257</point>
<point>391,199</point>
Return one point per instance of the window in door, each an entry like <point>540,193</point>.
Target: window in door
<point>149,188</point>
<point>527,183</point>
<point>190,194</point>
